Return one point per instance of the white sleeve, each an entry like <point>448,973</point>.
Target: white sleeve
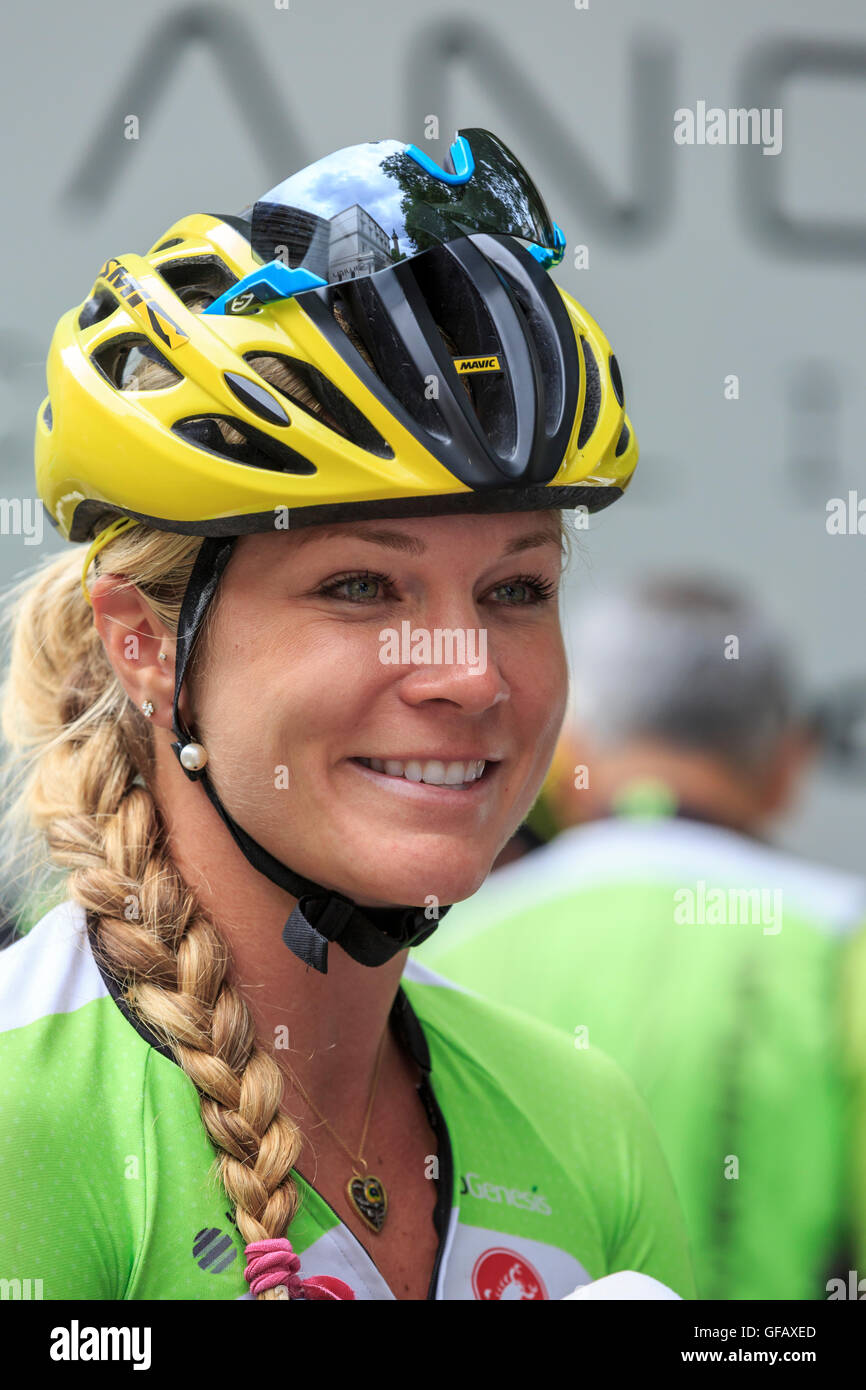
<point>625,1284</point>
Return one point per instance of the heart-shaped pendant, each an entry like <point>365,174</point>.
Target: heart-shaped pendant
<point>367,1196</point>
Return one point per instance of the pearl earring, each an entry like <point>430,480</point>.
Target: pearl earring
<point>193,757</point>
<point>163,656</point>
<point>148,707</point>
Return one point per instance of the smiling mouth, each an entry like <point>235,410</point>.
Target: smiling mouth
<point>432,771</point>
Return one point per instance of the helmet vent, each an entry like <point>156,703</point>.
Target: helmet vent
<point>238,442</point>
<point>132,363</point>
<point>48,416</point>
<point>616,378</point>
<point>197,280</point>
<point>467,330</point>
<point>308,388</point>
<point>256,399</point>
<point>357,310</point>
<point>97,307</point>
<point>592,400</point>
<point>622,442</point>
<point>164,245</point>
<point>540,331</point>
<point>343,318</point>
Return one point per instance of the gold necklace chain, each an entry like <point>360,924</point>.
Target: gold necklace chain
<point>356,1158</point>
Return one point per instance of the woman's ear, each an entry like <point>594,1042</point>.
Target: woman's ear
<point>133,639</point>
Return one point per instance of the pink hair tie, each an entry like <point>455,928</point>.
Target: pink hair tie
<point>273,1262</point>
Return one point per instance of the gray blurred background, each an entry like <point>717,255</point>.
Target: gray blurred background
<point>703,260</point>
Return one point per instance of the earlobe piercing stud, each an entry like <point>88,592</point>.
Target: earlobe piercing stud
<point>148,707</point>
<point>163,656</point>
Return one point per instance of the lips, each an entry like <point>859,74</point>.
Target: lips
<point>434,772</point>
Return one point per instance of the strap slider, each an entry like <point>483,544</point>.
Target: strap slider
<point>329,918</point>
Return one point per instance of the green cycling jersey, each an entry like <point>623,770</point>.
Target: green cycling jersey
<point>549,1174</point>
<point>707,965</point>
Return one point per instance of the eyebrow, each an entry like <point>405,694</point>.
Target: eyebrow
<point>411,545</point>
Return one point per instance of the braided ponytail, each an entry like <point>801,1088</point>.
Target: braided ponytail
<point>80,822</point>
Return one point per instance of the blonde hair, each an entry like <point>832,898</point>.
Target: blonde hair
<point>78,823</point>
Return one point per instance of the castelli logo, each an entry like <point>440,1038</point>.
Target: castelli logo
<point>503,1274</point>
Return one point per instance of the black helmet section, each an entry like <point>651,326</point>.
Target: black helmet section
<point>370,936</point>
<point>490,299</point>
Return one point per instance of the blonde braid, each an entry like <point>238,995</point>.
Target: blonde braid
<point>75,744</point>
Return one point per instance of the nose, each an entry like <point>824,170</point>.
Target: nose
<point>453,664</point>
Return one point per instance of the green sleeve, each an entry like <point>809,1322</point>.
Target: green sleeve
<point>646,1224</point>
<point>67,1206</point>
<point>854,1042</point>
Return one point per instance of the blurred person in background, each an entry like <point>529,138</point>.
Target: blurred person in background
<point>663,927</point>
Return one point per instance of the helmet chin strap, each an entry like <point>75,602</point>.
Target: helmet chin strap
<point>370,936</point>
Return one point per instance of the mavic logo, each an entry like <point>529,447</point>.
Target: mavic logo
<point>136,298</point>
<point>476,364</point>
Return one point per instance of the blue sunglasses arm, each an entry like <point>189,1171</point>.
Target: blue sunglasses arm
<point>461,158</point>
<point>550,255</point>
<point>267,283</point>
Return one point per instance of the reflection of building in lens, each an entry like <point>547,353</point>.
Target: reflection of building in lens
<point>305,236</point>
<point>359,246</point>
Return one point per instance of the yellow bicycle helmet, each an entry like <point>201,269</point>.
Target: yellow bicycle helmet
<point>375,336</point>
<point>344,395</point>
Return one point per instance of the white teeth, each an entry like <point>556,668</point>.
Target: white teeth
<point>434,772</point>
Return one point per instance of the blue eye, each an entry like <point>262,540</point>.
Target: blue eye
<point>539,589</point>
<point>366,586</point>
<point>359,587</point>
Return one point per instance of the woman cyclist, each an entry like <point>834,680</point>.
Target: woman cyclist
<point>321,451</point>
